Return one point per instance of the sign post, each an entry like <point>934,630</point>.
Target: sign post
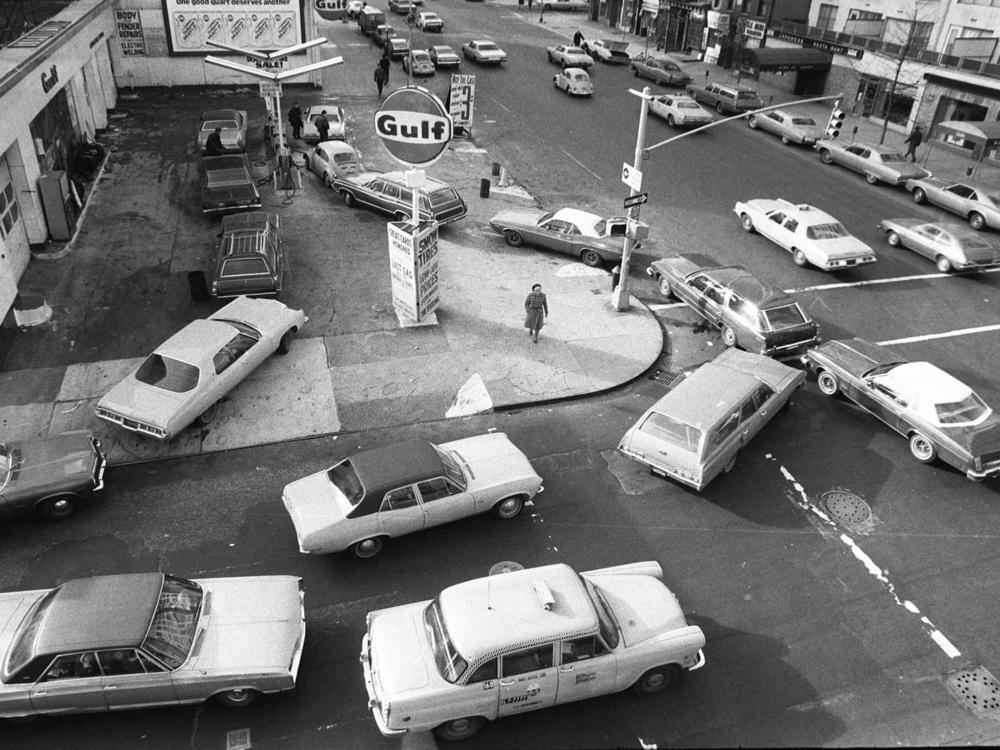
<point>632,177</point>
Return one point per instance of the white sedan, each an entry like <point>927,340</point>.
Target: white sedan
<point>790,127</point>
<point>374,495</point>
<point>484,52</point>
<point>188,373</point>
<point>679,110</point>
<point>428,21</point>
<point>568,56</point>
<point>333,159</point>
<point>573,81</point>
<point>334,115</point>
<point>809,234</point>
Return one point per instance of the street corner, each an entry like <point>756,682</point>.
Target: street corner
<point>25,420</point>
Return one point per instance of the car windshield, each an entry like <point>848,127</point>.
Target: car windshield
<point>452,466</point>
<point>345,159</point>
<point>752,96</point>
<point>969,409</point>
<point>670,430</point>
<point>224,124</point>
<point>605,617</point>
<point>23,648</point>
<point>892,157</point>
<point>830,231</point>
<point>175,621</point>
<point>449,662</point>
<point>682,104</point>
<point>488,47</point>
<point>784,317</point>
<point>346,479</point>
<point>574,51</point>
<point>804,121</point>
<point>974,242</point>
<point>167,373</point>
<point>245,267</point>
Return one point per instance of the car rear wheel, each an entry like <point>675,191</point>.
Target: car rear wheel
<point>239,698</point>
<point>977,221</point>
<point>658,679</point>
<point>786,140</point>
<point>825,156</point>
<point>922,449</point>
<point>368,548</point>
<point>799,257</point>
<point>719,108</point>
<point>728,336</point>
<point>665,289</point>
<point>590,258</point>
<point>326,179</point>
<point>746,222</point>
<point>509,507</point>
<point>285,343</point>
<point>730,464</point>
<point>827,383</point>
<point>752,122</point>
<point>670,121</point>
<point>401,216</point>
<point>348,198</point>
<point>872,179</point>
<point>459,729</point>
<point>512,238</point>
<point>893,240</point>
<point>943,264</point>
<point>208,416</point>
<point>919,196</point>
<point>57,508</point>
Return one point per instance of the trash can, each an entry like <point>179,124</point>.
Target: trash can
<point>484,188</point>
<point>616,276</point>
<point>199,286</point>
<point>496,169</point>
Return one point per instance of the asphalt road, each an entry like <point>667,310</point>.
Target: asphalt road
<point>817,635</point>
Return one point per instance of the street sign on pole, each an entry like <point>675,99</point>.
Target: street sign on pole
<point>269,89</point>
<point>632,177</point>
<point>636,200</point>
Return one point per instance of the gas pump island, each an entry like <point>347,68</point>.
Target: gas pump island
<point>415,129</point>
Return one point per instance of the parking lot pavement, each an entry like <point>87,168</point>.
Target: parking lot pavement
<point>123,288</point>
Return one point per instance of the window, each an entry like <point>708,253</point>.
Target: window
<point>72,666</point>
<point>762,395</point>
<point>962,191</point>
<point>487,671</point>
<point>857,151</point>
<point>715,293</point>
<point>579,649</point>
<point>435,489</point>
<point>900,30</point>
<point>700,283</point>
<point>121,661</point>
<point>721,433</point>
<point>826,231</point>
<point>344,477</point>
<point>743,310</point>
<point>169,374</point>
<point>398,499</point>
<point>826,16</point>
<point>791,224</point>
<point>777,217</point>
<point>236,348</point>
<point>747,410</point>
<point>9,210</point>
<point>175,622</point>
<point>449,662</point>
<point>784,317</point>
<point>528,660</point>
<point>245,267</point>
<point>669,430</point>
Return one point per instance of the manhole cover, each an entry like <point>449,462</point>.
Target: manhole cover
<point>977,689</point>
<point>664,376</point>
<point>846,508</point>
<point>238,739</point>
<point>507,566</point>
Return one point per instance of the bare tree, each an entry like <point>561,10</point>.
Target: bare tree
<point>906,34</point>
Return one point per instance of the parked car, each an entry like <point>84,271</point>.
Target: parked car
<point>573,81</point>
<point>679,110</point>
<point>977,203</point>
<point>428,21</point>
<point>188,373</point>
<point>369,19</point>
<point>484,52</point>
<point>50,475</point>
<point>876,163</point>
<point>521,641</point>
<point>568,56</point>
<point>401,7</point>
<point>419,63</point>
<point>375,495</point>
<point>694,432</point>
<point>952,246</point>
<point>752,314</point>
<point>726,100</point>
<point>399,46</point>
<point>569,5</point>
<point>354,8</point>
<point>381,33</point>
<point>444,56</point>
<point>250,259</point>
<point>941,417</point>
<point>665,72</point>
<point>388,192</point>
<point>809,234</point>
<point>234,129</point>
<point>148,639</point>
<point>591,238</point>
<point>607,51</point>
<point>334,115</point>
<point>227,184</point>
<point>792,128</point>
<point>331,159</point>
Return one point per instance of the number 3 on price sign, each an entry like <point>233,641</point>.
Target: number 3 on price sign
<point>461,99</point>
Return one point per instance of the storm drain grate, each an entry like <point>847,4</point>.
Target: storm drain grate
<point>846,508</point>
<point>665,376</point>
<point>238,739</point>
<point>977,689</point>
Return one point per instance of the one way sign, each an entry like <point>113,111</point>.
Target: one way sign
<point>631,176</point>
<point>636,200</point>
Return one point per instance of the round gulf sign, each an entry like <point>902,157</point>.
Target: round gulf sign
<point>414,126</point>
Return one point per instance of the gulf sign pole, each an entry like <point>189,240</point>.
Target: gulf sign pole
<point>632,177</point>
<point>415,129</point>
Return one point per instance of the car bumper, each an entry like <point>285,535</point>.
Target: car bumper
<point>366,666</point>
<point>241,206</point>
<point>700,663</point>
<point>834,265</point>
<point>132,425</point>
<point>790,350</point>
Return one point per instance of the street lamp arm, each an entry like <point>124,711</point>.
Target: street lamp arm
<point>786,105</point>
<point>285,74</point>
<point>222,63</point>
<point>270,55</point>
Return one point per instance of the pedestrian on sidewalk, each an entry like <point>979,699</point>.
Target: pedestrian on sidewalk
<point>914,140</point>
<point>213,146</point>
<point>295,120</point>
<point>322,126</point>
<point>379,78</point>
<point>385,63</point>
<point>577,38</point>
<point>536,309</point>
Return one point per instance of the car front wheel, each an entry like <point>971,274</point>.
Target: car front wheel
<point>368,548</point>
<point>671,122</point>
<point>57,508</point>
<point>825,156</point>
<point>893,240</point>
<point>719,108</point>
<point>327,180</point>
<point>977,221</point>
<point>240,698</point>
<point>459,729</point>
<point>348,198</point>
<point>728,336</point>
<point>922,449</point>
<point>509,507</point>
<point>799,257</point>
<point>786,140</point>
<point>665,289</point>
<point>746,222</point>
<point>943,264</point>
<point>285,343</point>
<point>590,258</point>
<point>657,680</point>
<point>919,196</point>
<point>827,383</point>
<point>872,178</point>
<point>512,238</point>
<point>752,122</point>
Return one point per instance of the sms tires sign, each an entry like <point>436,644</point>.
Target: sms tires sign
<point>414,126</point>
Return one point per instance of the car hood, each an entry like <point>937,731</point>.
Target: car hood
<point>314,504</point>
<point>524,217</point>
<point>13,607</point>
<point>857,356</point>
<point>40,461</point>
<point>643,606</point>
<point>145,403</point>
<point>492,460</point>
<point>398,648</point>
<point>254,623</point>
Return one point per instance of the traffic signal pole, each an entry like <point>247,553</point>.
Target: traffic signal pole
<point>620,296</point>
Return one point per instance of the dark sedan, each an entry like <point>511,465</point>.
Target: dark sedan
<point>952,246</point>
<point>941,417</point>
<point>752,314</point>
<point>665,72</point>
<point>49,475</point>
<point>227,184</point>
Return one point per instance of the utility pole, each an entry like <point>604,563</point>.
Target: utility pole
<point>620,297</point>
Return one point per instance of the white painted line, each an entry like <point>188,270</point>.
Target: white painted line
<point>944,335</point>
<point>500,104</point>
<point>666,305</point>
<point>582,164</point>
<point>873,282</point>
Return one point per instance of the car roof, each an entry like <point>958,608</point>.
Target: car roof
<point>929,383</point>
<point>225,161</point>
<point>391,466</point>
<point>336,147</point>
<point>583,219</point>
<point>99,612</point>
<point>807,214</point>
<point>221,114</point>
<point>761,293</point>
<point>248,220</point>
<point>197,340</point>
<point>398,176</point>
<point>503,613</point>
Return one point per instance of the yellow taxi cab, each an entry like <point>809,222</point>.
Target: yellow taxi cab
<point>524,640</point>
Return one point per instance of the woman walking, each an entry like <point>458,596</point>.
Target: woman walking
<point>536,309</point>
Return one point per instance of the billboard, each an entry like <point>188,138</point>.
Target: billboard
<point>250,24</point>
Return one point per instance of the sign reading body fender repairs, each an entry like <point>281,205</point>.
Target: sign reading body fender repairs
<point>253,24</point>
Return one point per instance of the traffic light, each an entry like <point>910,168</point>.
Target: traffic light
<point>836,121</point>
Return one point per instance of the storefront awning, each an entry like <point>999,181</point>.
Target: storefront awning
<point>786,58</point>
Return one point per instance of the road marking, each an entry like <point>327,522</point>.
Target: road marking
<point>582,164</point>
<point>872,282</point>
<point>665,306</point>
<point>944,335</point>
<point>499,103</point>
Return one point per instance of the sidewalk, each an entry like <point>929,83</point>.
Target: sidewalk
<point>122,289</point>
